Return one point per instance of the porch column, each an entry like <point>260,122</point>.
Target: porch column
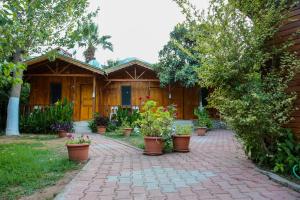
<point>94,94</point>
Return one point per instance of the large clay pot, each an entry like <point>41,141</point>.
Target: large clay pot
<point>101,129</point>
<point>153,146</point>
<point>200,131</point>
<point>181,143</point>
<point>78,152</point>
<point>127,131</point>
<point>62,133</point>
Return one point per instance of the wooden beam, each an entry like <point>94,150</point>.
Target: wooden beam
<point>62,75</point>
<point>133,80</point>
<point>63,69</point>
<point>135,73</point>
<point>129,74</point>
<point>141,74</point>
<point>51,69</point>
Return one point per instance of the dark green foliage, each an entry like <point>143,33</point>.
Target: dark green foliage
<point>176,64</point>
<point>92,126</point>
<point>203,118</point>
<point>249,74</point>
<point>41,120</point>
<point>100,120</point>
<point>27,167</point>
<point>125,115</point>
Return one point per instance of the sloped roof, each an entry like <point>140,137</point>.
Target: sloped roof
<point>63,56</point>
<point>128,62</point>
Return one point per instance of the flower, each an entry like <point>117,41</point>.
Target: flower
<point>148,97</point>
<point>140,98</point>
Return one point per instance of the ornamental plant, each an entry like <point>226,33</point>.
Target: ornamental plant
<point>183,130</point>
<point>62,126</point>
<point>203,118</point>
<point>100,120</point>
<point>156,121</point>
<point>83,139</point>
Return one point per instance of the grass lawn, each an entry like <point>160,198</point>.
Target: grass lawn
<point>30,162</point>
<point>134,139</point>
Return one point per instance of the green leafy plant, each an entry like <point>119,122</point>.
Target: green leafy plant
<point>123,114</point>
<point>40,120</point>
<point>203,118</point>
<point>92,126</point>
<point>155,121</point>
<point>183,130</point>
<point>100,120</point>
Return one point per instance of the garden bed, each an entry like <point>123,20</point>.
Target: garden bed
<point>31,163</point>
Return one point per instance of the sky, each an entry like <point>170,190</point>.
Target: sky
<point>139,28</point>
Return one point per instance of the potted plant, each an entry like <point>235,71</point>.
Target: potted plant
<point>181,138</point>
<point>156,126</point>
<point>62,128</point>
<point>78,147</point>
<point>203,122</point>
<point>101,123</point>
<point>127,130</point>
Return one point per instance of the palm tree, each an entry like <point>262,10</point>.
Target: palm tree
<point>90,39</point>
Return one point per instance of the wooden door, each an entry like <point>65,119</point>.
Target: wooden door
<point>190,102</point>
<point>86,102</point>
<point>156,94</point>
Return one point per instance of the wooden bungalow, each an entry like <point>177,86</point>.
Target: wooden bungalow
<point>93,89</point>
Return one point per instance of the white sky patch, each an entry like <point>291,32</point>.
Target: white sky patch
<point>139,28</point>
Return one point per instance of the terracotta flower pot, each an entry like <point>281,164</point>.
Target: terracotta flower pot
<point>101,129</point>
<point>200,131</point>
<point>181,143</point>
<point>78,152</point>
<point>62,133</point>
<point>127,131</point>
<point>153,146</point>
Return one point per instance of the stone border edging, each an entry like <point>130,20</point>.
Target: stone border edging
<point>280,180</point>
<point>123,143</point>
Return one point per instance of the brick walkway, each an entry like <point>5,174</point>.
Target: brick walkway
<point>216,168</point>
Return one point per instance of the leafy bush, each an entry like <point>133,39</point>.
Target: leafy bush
<point>249,73</point>
<point>40,120</point>
<point>183,130</point>
<point>156,121</point>
<point>100,120</point>
<point>203,118</point>
<point>92,126</point>
<point>127,116</point>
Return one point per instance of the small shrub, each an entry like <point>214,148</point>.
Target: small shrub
<point>92,126</point>
<point>40,120</point>
<point>203,118</point>
<point>100,120</point>
<point>183,130</point>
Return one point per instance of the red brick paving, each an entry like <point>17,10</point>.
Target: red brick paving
<point>218,152</point>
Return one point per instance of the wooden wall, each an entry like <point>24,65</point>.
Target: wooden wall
<point>288,31</point>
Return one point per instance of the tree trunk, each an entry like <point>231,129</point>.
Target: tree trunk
<point>12,121</point>
<point>89,54</point>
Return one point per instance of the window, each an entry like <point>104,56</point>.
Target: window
<point>126,95</point>
<point>55,92</point>
<point>204,95</point>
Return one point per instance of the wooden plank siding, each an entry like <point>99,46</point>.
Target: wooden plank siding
<point>288,31</point>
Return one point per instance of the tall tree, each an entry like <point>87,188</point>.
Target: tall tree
<point>175,63</point>
<point>29,26</point>
<point>90,39</point>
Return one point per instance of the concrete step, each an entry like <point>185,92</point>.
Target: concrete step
<point>81,127</point>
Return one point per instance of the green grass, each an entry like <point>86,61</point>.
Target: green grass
<point>134,139</point>
<point>28,166</point>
